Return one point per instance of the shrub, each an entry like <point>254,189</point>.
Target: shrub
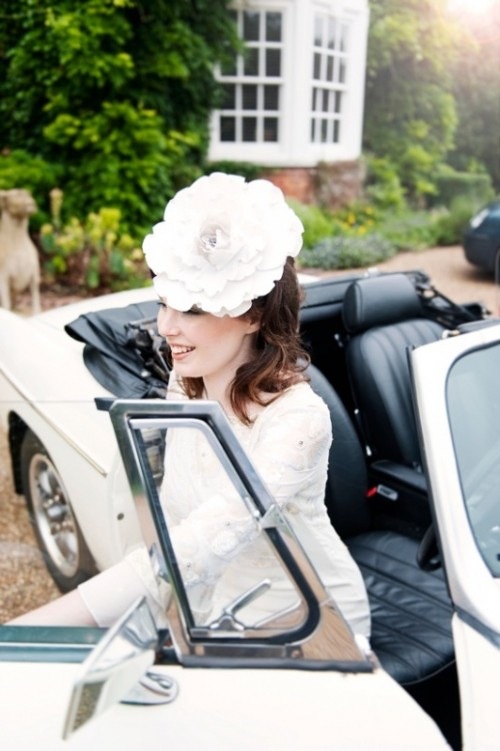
<point>450,224</point>
<point>409,230</point>
<point>96,253</point>
<point>318,224</point>
<point>383,186</point>
<point>451,185</point>
<point>344,252</point>
<point>357,219</point>
<point>125,159</point>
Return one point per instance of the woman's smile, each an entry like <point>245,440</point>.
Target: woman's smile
<point>179,351</point>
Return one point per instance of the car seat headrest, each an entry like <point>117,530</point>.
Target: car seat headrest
<point>378,301</point>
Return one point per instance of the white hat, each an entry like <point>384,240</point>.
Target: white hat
<point>223,242</point>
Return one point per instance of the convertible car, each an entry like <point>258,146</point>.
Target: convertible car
<point>410,381</point>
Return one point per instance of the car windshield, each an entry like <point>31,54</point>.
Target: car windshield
<point>473,400</point>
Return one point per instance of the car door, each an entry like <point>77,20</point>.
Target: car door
<point>457,398</point>
<point>293,678</point>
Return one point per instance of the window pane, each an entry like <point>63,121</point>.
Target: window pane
<point>271,98</point>
<point>249,129</point>
<point>228,129</point>
<point>344,29</point>
<point>249,97</point>
<point>342,71</point>
<point>251,22</point>
<point>324,131</point>
<point>228,67</point>
<point>331,33</point>
<point>338,101</point>
<point>329,67</point>
<point>336,131</point>
<point>318,31</point>
<point>325,100</point>
<point>317,66</point>
<point>273,27</point>
<point>229,96</point>
<point>207,600</point>
<point>273,62</point>
<point>252,62</point>
<point>271,129</point>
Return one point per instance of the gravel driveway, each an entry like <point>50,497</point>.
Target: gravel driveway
<point>24,582</point>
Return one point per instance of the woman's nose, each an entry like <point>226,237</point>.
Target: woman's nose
<point>168,322</point>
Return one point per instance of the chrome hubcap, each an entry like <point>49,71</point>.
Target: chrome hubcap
<point>53,515</point>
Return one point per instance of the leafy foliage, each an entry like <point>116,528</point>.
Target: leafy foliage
<point>116,92</point>
<point>96,252</point>
<point>450,223</point>
<point>346,252</point>
<point>476,86</point>
<point>318,223</point>
<point>474,186</point>
<point>410,115</point>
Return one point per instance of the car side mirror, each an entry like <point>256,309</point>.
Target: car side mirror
<point>117,670</point>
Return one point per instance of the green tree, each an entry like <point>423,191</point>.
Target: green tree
<point>410,113</point>
<point>116,92</point>
<point>476,86</point>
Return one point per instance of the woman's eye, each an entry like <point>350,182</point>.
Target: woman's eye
<point>194,311</point>
<point>161,304</point>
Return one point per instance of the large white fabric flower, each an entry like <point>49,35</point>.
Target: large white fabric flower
<point>222,243</point>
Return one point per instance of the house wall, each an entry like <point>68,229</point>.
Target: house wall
<point>293,162</point>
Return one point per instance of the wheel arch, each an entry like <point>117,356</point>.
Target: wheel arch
<point>16,431</point>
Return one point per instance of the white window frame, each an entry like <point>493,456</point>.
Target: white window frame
<point>258,81</point>
<point>295,147</point>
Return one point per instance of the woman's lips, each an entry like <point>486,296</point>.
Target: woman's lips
<point>180,352</point>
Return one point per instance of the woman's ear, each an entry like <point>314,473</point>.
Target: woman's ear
<point>253,326</point>
<point>253,320</point>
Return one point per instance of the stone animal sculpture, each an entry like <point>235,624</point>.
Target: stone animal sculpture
<point>19,263</point>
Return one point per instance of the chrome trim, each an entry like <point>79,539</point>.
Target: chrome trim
<point>323,639</point>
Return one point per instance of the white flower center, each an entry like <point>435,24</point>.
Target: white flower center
<point>215,244</point>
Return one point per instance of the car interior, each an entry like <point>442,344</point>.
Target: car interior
<point>358,330</point>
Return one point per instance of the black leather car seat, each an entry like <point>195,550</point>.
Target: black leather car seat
<point>384,317</point>
<point>410,608</point>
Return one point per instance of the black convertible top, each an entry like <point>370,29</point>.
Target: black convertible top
<point>123,350</point>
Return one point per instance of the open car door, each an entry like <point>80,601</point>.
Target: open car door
<point>458,403</point>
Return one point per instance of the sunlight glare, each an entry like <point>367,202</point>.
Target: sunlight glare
<point>470,6</point>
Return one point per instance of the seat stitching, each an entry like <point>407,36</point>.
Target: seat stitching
<point>416,617</point>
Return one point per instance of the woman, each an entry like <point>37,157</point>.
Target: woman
<point>229,310</point>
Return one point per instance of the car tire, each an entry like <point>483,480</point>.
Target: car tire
<point>59,537</point>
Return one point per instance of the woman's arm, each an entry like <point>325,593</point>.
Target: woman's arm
<point>67,610</point>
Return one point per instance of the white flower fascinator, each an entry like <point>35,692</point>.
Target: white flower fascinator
<point>222,243</point>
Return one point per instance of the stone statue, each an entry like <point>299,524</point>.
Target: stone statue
<point>19,263</point>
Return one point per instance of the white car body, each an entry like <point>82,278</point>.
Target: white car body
<point>278,709</point>
<point>223,706</point>
<point>77,435</point>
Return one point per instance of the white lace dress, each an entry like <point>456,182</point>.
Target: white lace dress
<point>217,541</point>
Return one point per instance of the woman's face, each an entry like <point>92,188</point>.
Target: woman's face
<point>206,346</point>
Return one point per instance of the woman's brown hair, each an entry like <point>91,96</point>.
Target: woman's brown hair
<point>280,358</point>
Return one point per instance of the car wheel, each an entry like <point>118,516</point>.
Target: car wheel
<point>65,552</point>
